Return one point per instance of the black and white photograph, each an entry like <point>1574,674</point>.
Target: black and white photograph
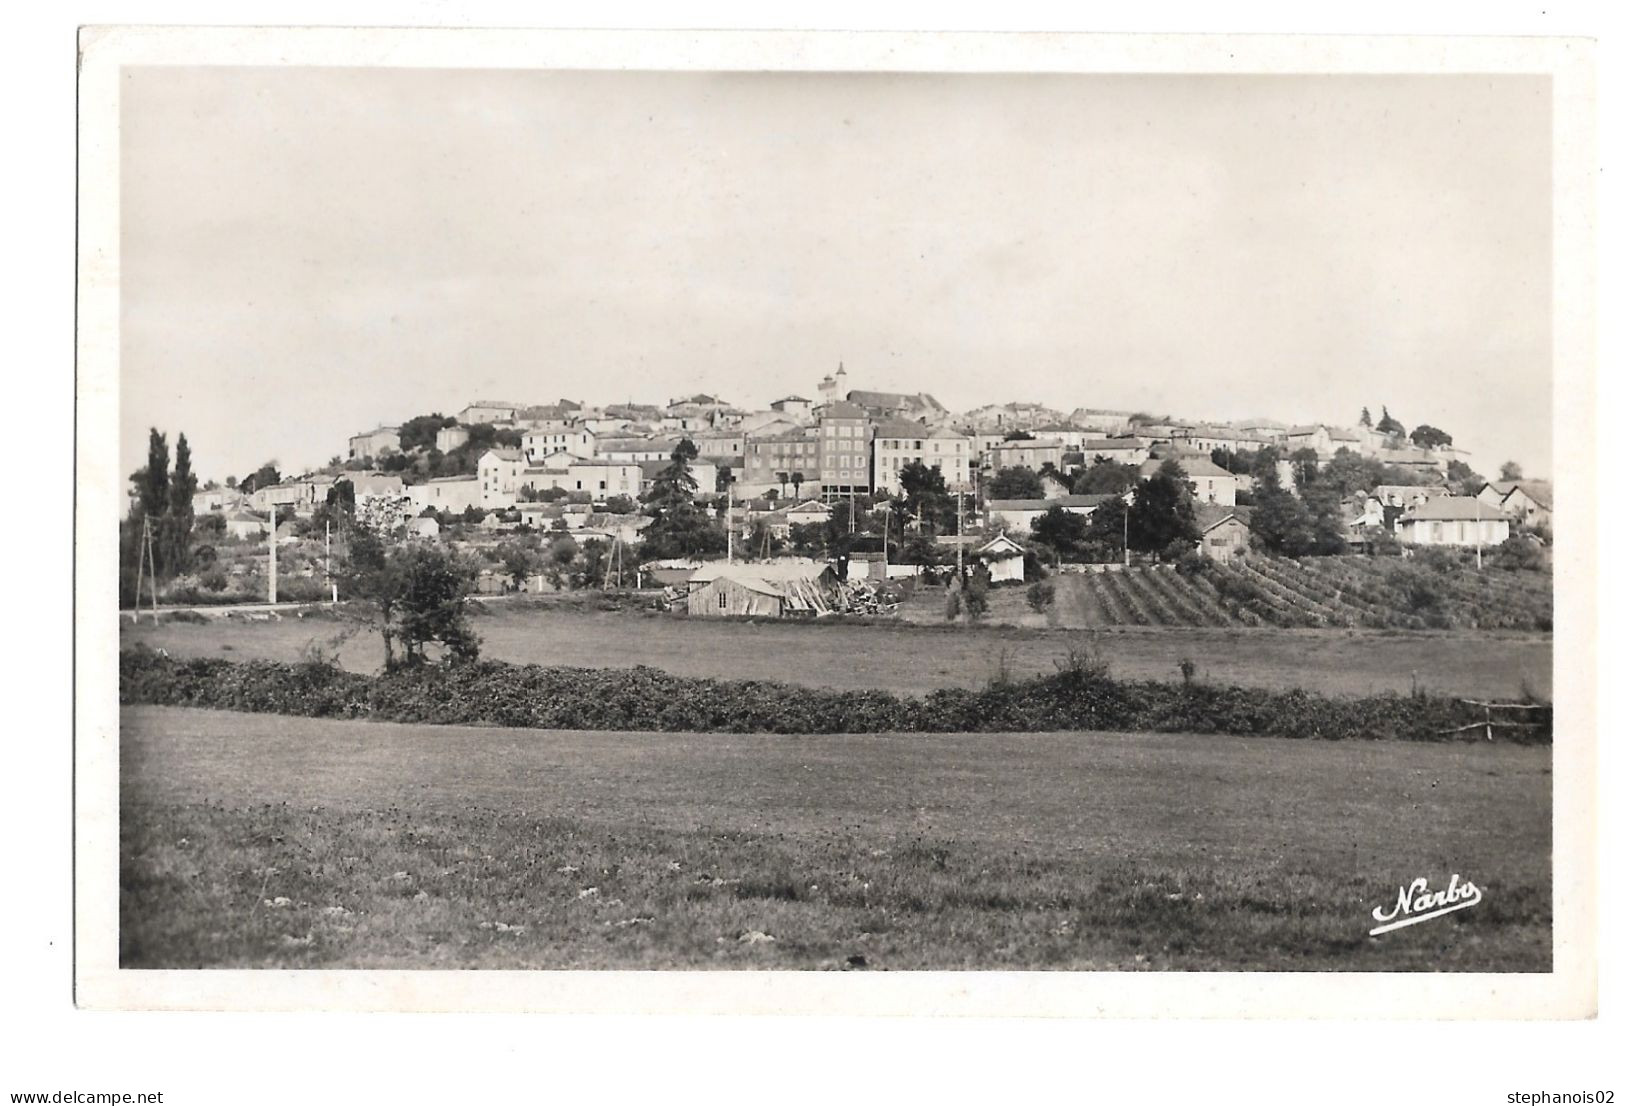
<point>739,518</point>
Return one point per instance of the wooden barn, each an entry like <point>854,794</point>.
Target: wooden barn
<point>795,589</point>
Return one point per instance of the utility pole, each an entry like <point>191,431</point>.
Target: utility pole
<point>730,523</point>
<point>1478,531</point>
<point>272,552</point>
<point>1125,535</point>
<point>959,529</point>
<point>146,563</point>
<point>327,542</point>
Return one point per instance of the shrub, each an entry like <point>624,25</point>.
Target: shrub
<point>975,597</point>
<point>1177,550</point>
<point>1522,554</point>
<point>1041,596</point>
<point>1081,695</point>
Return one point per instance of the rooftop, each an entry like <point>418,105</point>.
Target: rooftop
<point>1452,508</point>
<point>1209,515</point>
<point>840,409</point>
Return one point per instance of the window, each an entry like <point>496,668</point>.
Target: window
<point>722,600</point>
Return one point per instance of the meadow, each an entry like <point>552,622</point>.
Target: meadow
<point>267,841</point>
<point>905,656</point>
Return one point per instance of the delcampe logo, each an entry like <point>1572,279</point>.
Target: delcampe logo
<point>1417,904</point>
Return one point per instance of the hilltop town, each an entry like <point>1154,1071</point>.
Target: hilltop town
<point>519,463</point>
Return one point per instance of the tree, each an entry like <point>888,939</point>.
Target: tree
<point>1063,531</point>
<point>808,539</point>
<point>152,481</point>
<point>1019,482</point>
<point>1105,478</point>
<point>796,480</point>
<point>674,485</point>
<point>1324,507</point>
<point>518,558</point>
<point>784,482</point>
<point>920,549</point>
<point>1162,512</point>
<point>420,592</point>
<point>1430,437</point>
<point>1018,436</point>
<point>1048,471</point>
<point>1389,425</point>
<point>1267,467</point>
<point>177,528</point>
<point>1103,541</point>
<point>1511,471</point>
<point>1348,472</point>
<point>419,432</point>
<point>1462,479</point>
<point>925,494</point>
<point>263,477</point>
<point>1365,417</point>
<point>1281,524</point>
<point>1305,466</point>
<point>680,528</point>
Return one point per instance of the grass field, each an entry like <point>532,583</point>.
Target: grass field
<point>904,657</point>
<point>270,841</point>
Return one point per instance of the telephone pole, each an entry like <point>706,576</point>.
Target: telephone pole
<point>272,553</point>
<point>730,523</point>
<point>1478,531</point>
<point>145,560</point>
<point>959,529</point>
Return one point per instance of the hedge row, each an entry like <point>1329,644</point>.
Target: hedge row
<point>493,693</point>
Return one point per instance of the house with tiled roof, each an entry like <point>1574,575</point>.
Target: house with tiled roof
<point>375,443</point>
<point>1101,419</point>
<point>447,493</point>
<point>1225,530</point>
<point>499,472</point>
<point>788,449</point>
<point>906,406</point>
<point>1209,483</point>
<point>797,408</point>
<point>1528,501</point>
<point>1019,514</point>
<point>1023,453</point>
<point>1458,520</point>
<point>1124,451</point>
<point>897,444</point>
<point>843,449</point>
<point>488,410</point>
<point>1324,440</point>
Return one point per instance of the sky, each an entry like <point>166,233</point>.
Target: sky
<point>308,253</point>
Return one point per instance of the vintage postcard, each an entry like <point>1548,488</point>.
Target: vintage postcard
<point>791,522</point>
